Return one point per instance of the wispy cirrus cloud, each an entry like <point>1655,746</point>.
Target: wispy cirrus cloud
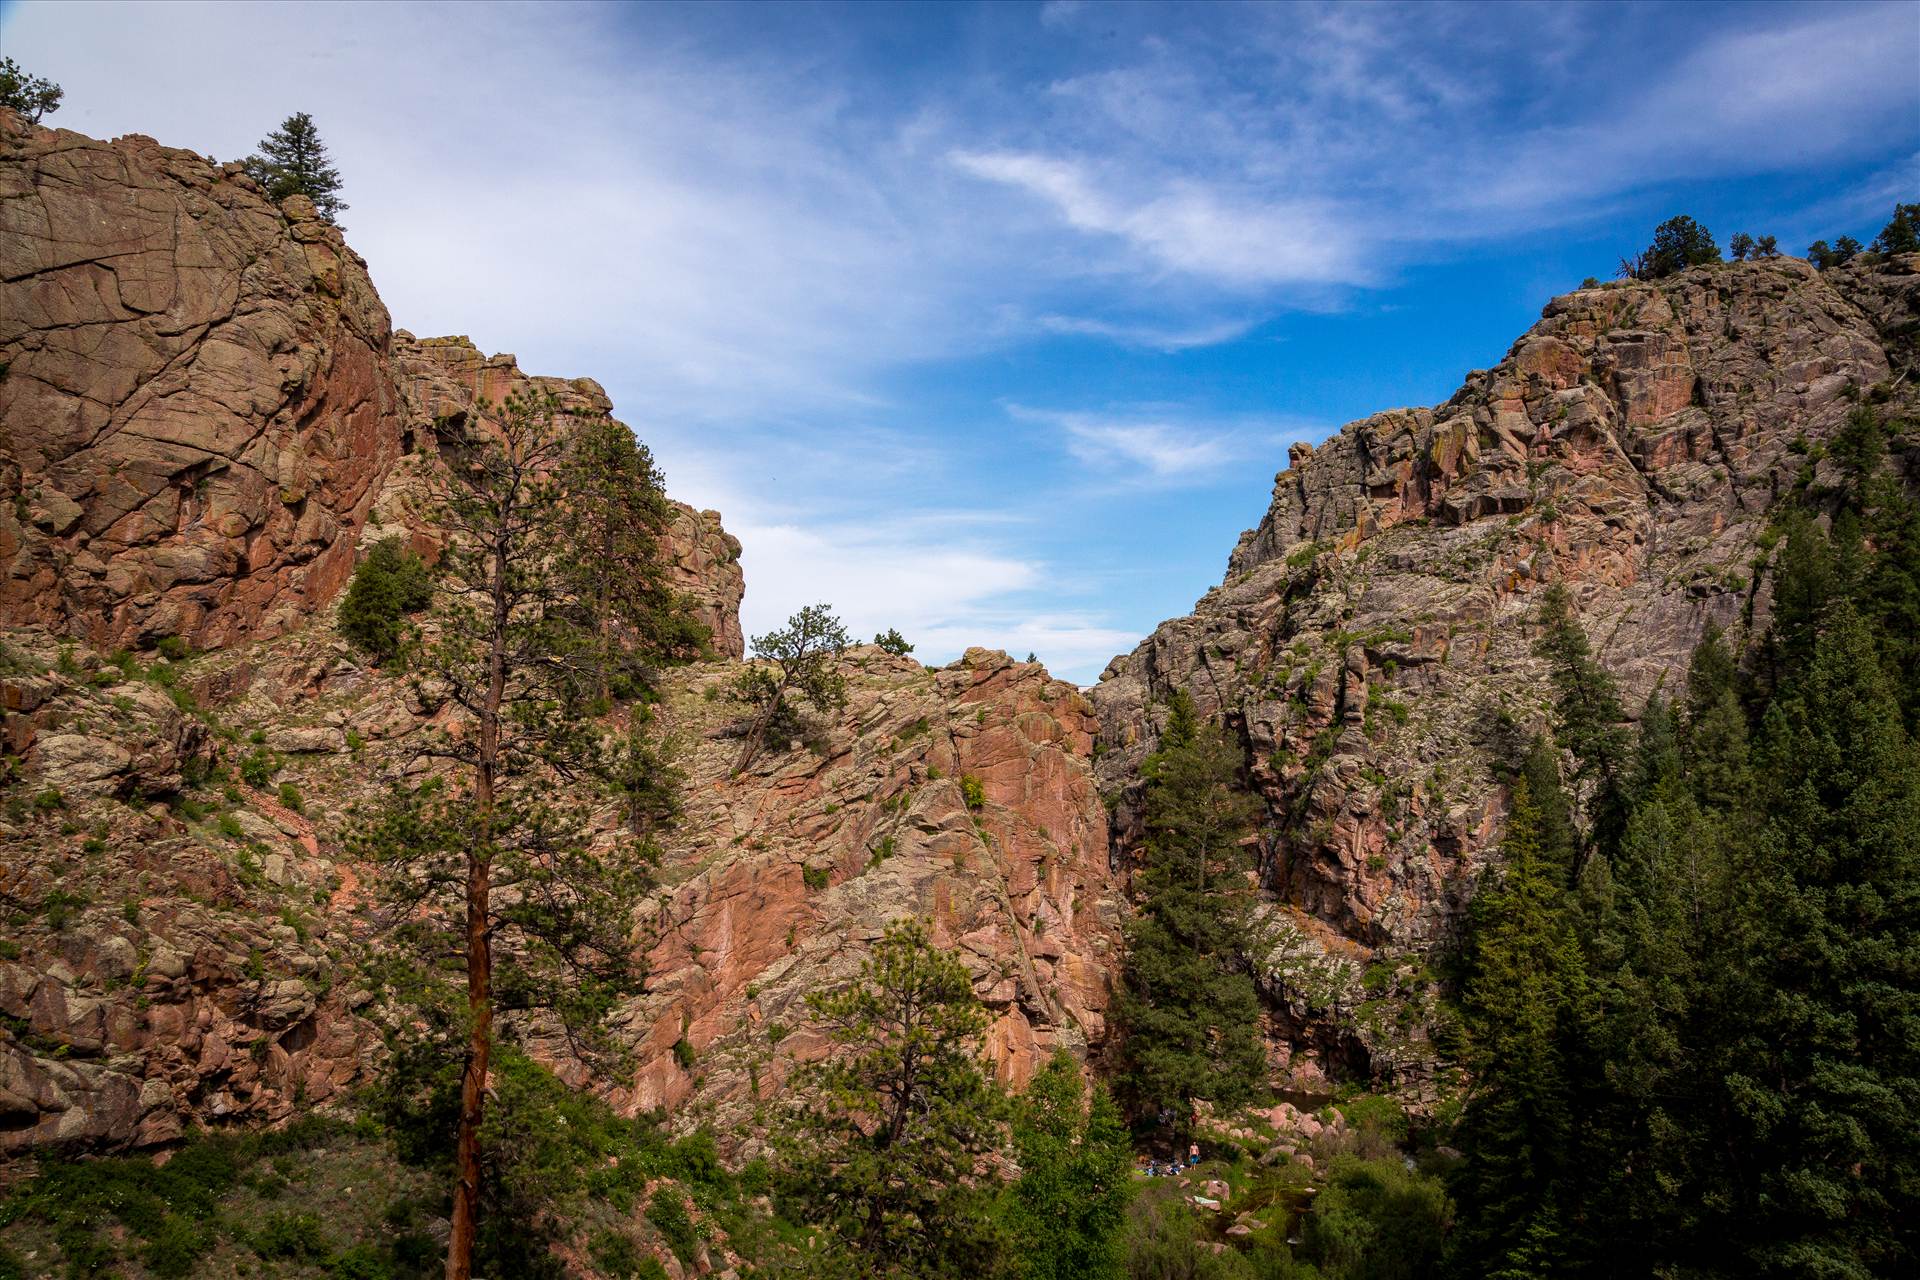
<point>1157,445</point>
<point>1151,336</point>
<point>824,259</point>
<point>1191,227</point>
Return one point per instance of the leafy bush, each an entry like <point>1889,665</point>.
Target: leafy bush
<point>667,1211</point>
<point>1377,1220</point>
<point>291,1235</point>
<point>388,585</point>
<point>258,767</point>
<point>893,642</point>
<point>291,798</point>
<point>814,877</point>
<point>973,791</point>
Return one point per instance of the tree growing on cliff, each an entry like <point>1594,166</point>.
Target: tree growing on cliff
<point>387,586</point>
<point>799,660</point>
<point>1189,1008</point>
<point>886,1133</point>
<point>1678,243</point>
<point>31,96</point>
<point>1589,722</point>
<point>493,874</point>
<point>1902,232</point>
<point>1740,248</point>
<point>292,161</point>
<point>893,642</point>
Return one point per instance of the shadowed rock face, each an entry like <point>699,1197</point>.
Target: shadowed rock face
<point>195,410</point>
<point>1374,633</point>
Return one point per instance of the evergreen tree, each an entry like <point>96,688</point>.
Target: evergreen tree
<point>1902,232</point>
<point>1525,1004</point>
<point>804,658</point>
<point>1588,721</point>
<point>1678,243</point>
<point>886,1133</point>
<point>1559,837</point>
<point>1740,248</point>
<point>490,853</point>
<point>292,161</point>
<point>1713,734</point>
<point>31,96</point>
<point>617,503</point>
<point>1064,1215</point>
<point>1189,1008</point>
<point>1823,1095</point>
<point>387,586</point>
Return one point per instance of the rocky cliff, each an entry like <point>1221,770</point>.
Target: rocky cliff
<point>961,796</point>
<point>206,415</point>
<point>1371,644</point>
<point>195,404</point>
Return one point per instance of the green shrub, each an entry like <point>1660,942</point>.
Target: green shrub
<point>258,767</point>
<point>814,877</point>
<point>291,1235</point>
<point>667,1211</point>
<point>973,791</point>
<point>175,648</point>
<point>1376,1220</point>
<point>291,798</point>
<point>683,1054</point>
<point>388,585</point>
<point>893,642</point>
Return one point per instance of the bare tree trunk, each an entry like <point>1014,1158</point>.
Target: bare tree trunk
<point>757,734</point>
<point>473,1081</point>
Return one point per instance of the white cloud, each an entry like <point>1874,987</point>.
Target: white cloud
<point>756,240</point>
<point>1189,226</point>
<point>1159,446</point>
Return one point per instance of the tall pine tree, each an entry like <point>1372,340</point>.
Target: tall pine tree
<point>1189,1008</point>
<point>1526,1005</point>
<point>292,161</point>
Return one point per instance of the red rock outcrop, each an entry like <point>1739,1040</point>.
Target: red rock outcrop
<point>1372,643</point>
<point>162,967</point>
<point>449,380</point>
<point>195,406</point>
<point>780,879</point>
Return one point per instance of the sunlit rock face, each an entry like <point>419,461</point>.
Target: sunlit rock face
<point>780,879</point>
<point>1372,642</point>
<point>196,408</point>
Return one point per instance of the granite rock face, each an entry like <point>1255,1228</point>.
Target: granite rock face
<point>163,967</point>
<point>195,406</point>
<point>777,881</point>
<point>450,382</point>
<point>1371,644</point>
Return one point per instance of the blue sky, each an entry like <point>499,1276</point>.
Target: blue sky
<point>994,323</point>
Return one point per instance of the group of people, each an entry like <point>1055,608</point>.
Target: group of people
<point>1171,1166</point>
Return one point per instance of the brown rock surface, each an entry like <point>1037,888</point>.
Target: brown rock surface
<point>1374,632</point>
<point>195,409</point>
